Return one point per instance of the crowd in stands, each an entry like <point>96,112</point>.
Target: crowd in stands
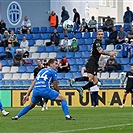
<point>120,37</point>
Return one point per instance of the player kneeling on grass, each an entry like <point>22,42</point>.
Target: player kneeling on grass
<point>129,85</point>
<point>42,90</point>
<point>2,110</point>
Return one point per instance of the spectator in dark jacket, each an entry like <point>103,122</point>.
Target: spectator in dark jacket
<point>127,18</point>
<point>4,41</point>
<point>2,26</point>
<point>18,59</point>
<point>64,15</point>
<point>76,18</point>
<point>111,64</point>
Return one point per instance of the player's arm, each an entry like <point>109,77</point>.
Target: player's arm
<point>55,85</point>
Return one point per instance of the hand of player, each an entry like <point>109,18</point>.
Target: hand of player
<point>25,99</point>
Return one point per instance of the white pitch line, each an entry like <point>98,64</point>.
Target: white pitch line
<point>86,129</point>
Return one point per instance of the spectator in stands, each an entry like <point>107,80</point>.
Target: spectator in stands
<point>76,18</point>
<point>25,26</point>
<point>18,59</point>
<point>64,65</point>
<point>2,26</point>
<point>125,48</point>
<point>12,39</point>
<point>53,19</point>
<point>131,48</point>
<point>111,64</point>
<point>127,18</point>
<point>55,38</point>
<point>9,51</point>
<point>0,66</point>
<point>121,36</point>
<point>65,44</point>
<point>45,63</point>
<point>4,41</point>
<point>83,26</point>
<point>130,34</point>
<point>74,45</point>
<point>112,37</point>
<point>92,25</point>
<point>108,24</point>
<point>102,64</point>
<point>122,76</point>
<point>64,15</point>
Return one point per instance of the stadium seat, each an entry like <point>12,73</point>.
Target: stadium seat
<point>131,61</point>
<point>14,69</point>
<point>25,76</point>
<point>5,69</point>
<point>94,35</point>
<point>83,48</point>
<point>50,29</point>
<point>106,34</point>
<point>69,55</point>
<point>124,61</point>
<point>119,54</point>
<point>110,47</point>
<point>60,76</point>
<point>30,69</point>
<point>86,55</point>
<point>17,30</point>
<point>39,42</point>
<point>31,76</point>
<point>1,76</point>
<point>9,82</point>
<point>72,61</point>
<point>2,50</point>
<point>2,83</point>
<point>88,41</point>
<point>126,68</point>
<point>62,35</point>
<point>33,49</point>
<point>35,55</point>
<point>77,75</point>
<point>81,41</point>
<point>59,29</point>
<point>36,36</point>
<point>114,75</point>
<point>41,49</point>
<point>116,82</point>
<point>56,49</point>
<point>70,35</point>
<point>118,27</point>
<point>27,82</point>
<point>86,35</point>
<point>7,76</point>
<point>60,54</point>
<point>4,63</point>
<point>44,55</point>
<point>52,55</point>
<point>29,36</point>
<point>68,76</point>
<point>11,28</point>
<point>107,82</point>
<point>22,69</point>
<point>20,36</point>
<point>80,61</point>
<point>105,75</point>
<point>49,48</point>
<point>127,27</point>
<point>45,36</point>
<point>31,42</point>
<point>43,30</point>
<point>78,55</point>
<point>18,82</point>
<point>78,35</point>
<point>74,68</point>
<point>35,30</point>
<point>118,60</point>
<point>45,41</point>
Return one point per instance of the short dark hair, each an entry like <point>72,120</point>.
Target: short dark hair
<point>51,61</point>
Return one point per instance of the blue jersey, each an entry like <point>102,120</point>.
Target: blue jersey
<point>125,47</point>
<point>45,77</point>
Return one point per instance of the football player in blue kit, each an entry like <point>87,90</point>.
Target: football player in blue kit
<point>42,90</point>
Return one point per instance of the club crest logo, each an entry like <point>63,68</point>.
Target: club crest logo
<point>14,13</point>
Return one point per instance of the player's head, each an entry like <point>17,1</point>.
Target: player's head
<point>131,68</point>
<point>39,63</point>
<point>100,34</point>
<point>53,63</point>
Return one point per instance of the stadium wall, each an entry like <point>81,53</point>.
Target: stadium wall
<point>107,98</point>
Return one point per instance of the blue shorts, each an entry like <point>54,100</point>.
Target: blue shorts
<point>40,93</point>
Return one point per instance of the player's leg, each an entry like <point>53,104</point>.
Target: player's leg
<point>45,103</point>
<point>5,113</point>
<point>132,98</point>
<point>124,99</point>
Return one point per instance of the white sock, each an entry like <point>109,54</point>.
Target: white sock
<point>68,116</point>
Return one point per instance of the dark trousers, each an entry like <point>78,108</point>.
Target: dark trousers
<point>94,98</point>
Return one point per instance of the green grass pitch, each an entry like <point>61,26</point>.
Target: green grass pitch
<point>88,120</point>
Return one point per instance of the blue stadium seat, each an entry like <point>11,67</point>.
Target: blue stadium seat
<point>72,62</point>
<point>4,62</point>
<point>105,34</point>
<point>116,81</point>
<point>62,35</point>
<point>63,83</point>
<point>78,55</point>
<point>124,61</point>
<point>31,42</point>
<point>41,49</point>
<point>86,54</point>
<point>86,35</point>
<point>50,29</point>
<point>56,49</point>
<point>49,48</point>
<point>18,82</point>
<point>81,41</point>
<point>77,75</point>
<point>11,28</point>
<point>35,30</point>
<point>119,54</point>
<point>1,76</point>
<point>131,61</point>
<point>17,30</point>
<point>43,30</point>
<point>127,27</point>
<point>70,35</point>
<point>45,36</point>
<point>29,36</point>
<point>60,54</point>
<point>100,27</point>
<point>88,41</point>
<point>118,60</point>
<point>36,36</point>
<point>94,35</point>
<point>2,50</point>
<point>80,61</point>
<point>83,48</point>
<point>60,76</point>
<point>69,55</point>
<point>68,76</point>
<point>74,68</point>
<point>9,82</point>
<point>59,29</point>
<point>26,82</point>
<point>2,82</point>
<point>22,69</point>
<point>126,68</point>
<point>34,63</point>
<point>118,27</point>
<point>30,69</point>
<point>78,35</point>
<point>20,36</point>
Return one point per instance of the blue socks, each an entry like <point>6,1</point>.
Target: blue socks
<point>24,111</point>
<point>1,107</point>
<point>65,107</point>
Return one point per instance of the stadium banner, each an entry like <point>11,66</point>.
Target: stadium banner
<point>5,97</point>
<point>105,98</point>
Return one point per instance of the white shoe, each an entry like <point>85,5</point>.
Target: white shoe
<point>92,106</point>
<point>43,108</point>
<point>46,107</point>
<point>122,106</point>
<point>132,105</point>
<point>5,113</point>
